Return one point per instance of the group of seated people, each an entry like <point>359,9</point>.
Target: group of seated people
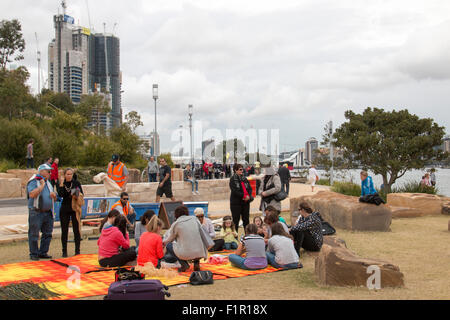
<point>267,241</point>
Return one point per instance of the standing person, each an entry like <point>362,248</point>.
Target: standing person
<point>152,169</point>
<point>426,180</point>
<point>30,154</point>
<point>118,172</point>
<point>205,170</point>
<point>67,187</point>
<point>187,240</point>
<point>40,219</point>
<point>270,186</point>
<point>49,161</point>
<point>210,170</point>
<point>433,177</point>
<point>114,245</point>
<point>281,252</point>
<point>307,232</point>
<point>367,187</point>
<point>125,208</point>
<point>255,248</point>
<point>285,177</point>
<point>240,197</point>
<point>187,177</point>
<point>208,227</point>
<point>313,177</point>
<point>54,175</point>
<point>165,182</point>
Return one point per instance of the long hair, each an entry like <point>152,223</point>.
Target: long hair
<point>112,213</point>
<point>147,216</point>
<point>271,218</point>
<point>251,229</point>
<point>121,224</point>
<point>278,230</point>
<point>305,207</point>
<point>226,218</point>
<point>153,224</point>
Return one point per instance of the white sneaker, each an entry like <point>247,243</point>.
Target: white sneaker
<point>193,193</point>
<point>197,192</point>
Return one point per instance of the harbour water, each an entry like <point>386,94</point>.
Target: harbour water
<point>442,178</point>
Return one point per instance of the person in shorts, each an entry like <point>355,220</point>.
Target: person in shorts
<point>165,183</point>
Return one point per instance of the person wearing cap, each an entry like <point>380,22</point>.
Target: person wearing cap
<point>118,172</point>
<point>40,197</point>
<point>208,227</point>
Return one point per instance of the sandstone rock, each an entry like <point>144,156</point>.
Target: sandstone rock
<point>446,208</point>
<point>7,175</point>
<point>427,204</point>
<point>338,266</point>
<point>177,174</point>
<point>23,175</point>
<point>346,212</point>
<point>10,188</point>
<point>403,212</point>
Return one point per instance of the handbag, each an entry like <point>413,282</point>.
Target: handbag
<point>201,277</point>
<point>125,274</point>
<point>280,196</point>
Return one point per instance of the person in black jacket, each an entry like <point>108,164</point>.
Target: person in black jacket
<point>66,188</point>
<point>285,177</point>
<point>240,197</point>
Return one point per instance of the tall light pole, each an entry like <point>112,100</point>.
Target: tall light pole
<point>155,97</point>
<point>191,112</point>
<point>331,153</point>
<point>181,141</point>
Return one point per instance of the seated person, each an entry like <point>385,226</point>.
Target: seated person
<point>281,253</point>
<point>271,218</point>
<point>253,245</point>
<point>367,187</point>
<point>209,230</point>
<point>262,228</point>
<point>141,226</point>
<point>108,221</point>
<point>114,245</point>
<point>229,234</point>
<point>151,245</point>
<point>307,232</point>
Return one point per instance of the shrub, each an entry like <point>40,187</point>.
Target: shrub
<point>323,182</point>
<point>6,165</point>
<point>347,188</point>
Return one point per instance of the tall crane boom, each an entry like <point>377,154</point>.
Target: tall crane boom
<point>38,53</point>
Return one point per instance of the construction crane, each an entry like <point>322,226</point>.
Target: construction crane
<point>39,63</point>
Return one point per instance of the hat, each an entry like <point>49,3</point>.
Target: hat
<point>44,167</point>
<point>115,157</point>
<point>199,212</point>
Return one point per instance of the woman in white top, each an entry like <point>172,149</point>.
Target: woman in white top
<point>281,253</point>
<point>313,176</point>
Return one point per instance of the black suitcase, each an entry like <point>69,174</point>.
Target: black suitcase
<point>137,290</point>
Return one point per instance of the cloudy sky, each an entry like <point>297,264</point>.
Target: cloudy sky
<point>287,65</point>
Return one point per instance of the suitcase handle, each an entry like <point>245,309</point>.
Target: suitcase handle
<point>166,293</point>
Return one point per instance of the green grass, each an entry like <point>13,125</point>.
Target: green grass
<point>347,188</point>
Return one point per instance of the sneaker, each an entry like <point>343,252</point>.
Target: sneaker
<point>197,265</point>
<point>34,258</point>
<point>197,192</point>
<point>45,256</point>
<point>64,255</point>
<point>193,193</point>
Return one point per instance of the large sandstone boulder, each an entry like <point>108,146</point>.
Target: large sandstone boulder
<point>23,175</point>
<point>346,212</point>
<point>10,188</point>
<point>425,204</point>
<point>177,174</point>
<point>404,212</point>
<point>134,176</point>
<point>446,208</point>
<point>338,266</point>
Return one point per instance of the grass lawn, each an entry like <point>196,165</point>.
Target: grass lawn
<point>419,246</point>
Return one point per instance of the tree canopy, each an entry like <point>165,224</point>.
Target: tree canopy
<point>11,42</point>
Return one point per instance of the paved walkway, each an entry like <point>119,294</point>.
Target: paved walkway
<point>13,212</point>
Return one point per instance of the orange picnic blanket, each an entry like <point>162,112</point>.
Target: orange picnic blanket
<point>81,276</point>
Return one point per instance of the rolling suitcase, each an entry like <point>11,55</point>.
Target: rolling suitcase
<point>137,290</point>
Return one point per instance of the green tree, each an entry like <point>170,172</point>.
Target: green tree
<point>168,158</point>
<point>13,92</point>
<point>133,120</point>
<point>389,143</point>
<point>92,107</point>
<point>129,143</point>
<point>11,42</point>
<point>97,151</point>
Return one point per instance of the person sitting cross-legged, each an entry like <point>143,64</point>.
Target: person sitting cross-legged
<point>253,245</point>
<point>281,253</point>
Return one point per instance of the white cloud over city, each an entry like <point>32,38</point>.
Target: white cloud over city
<point>289,65</point>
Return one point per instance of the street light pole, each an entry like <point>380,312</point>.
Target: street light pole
<point>181,141</point>
<point>155,97</point>
<point>191,112</point>
<point>331,153</point>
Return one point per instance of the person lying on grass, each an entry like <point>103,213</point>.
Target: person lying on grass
<point>254,246</point>
<point>281,253</point>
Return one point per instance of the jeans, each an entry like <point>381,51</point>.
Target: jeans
<point>285,186</point>
<point>30,163</point>
<point>39,222</point>
<point>230,246</point>
<point>192,182</point>
<point>237,261</point>
<point>271,260</point>
<point>152,177</point>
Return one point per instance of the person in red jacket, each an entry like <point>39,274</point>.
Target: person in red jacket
<point>54,174</point>
<point>150,244</point>
<point>114,245</point>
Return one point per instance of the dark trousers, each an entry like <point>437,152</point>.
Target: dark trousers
<point>152,177</point>
<point>238,211</point>
<point>65,216</point>
<point>304,239</point>
<point>120,259</point>
<point>218,245</point>
<point>39,222</point>
<point>30,163</point>
<point>285,186</point>
<point>183,263</point>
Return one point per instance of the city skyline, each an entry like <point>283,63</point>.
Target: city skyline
<point>292,66</point>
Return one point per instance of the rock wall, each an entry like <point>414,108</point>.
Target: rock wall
<point>146,192</point>
<point>422,203</point>
<point>346,212</point>
<point>10,188</point>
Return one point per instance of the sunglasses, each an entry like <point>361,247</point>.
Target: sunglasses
<point>126,199</point>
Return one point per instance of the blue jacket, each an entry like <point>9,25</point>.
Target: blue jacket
<point>367,187</point>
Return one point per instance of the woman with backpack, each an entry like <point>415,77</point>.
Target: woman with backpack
<point>269,188</point>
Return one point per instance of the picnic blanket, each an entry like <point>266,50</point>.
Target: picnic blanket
<point>81,276</point>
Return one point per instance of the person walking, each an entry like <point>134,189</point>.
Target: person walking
<point>433,177</point>
<point>240,197</point>
<point>188,177</point>
<point>40,216</point>
<point>30,154</point>
<point>270,186</point>
<point>313,177</point>
<point>67,188</point>
<point>54,174</point>
<point>285,177</point>
<point>152,169</point>
<point>165,182</point>
<point>118,172</point>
